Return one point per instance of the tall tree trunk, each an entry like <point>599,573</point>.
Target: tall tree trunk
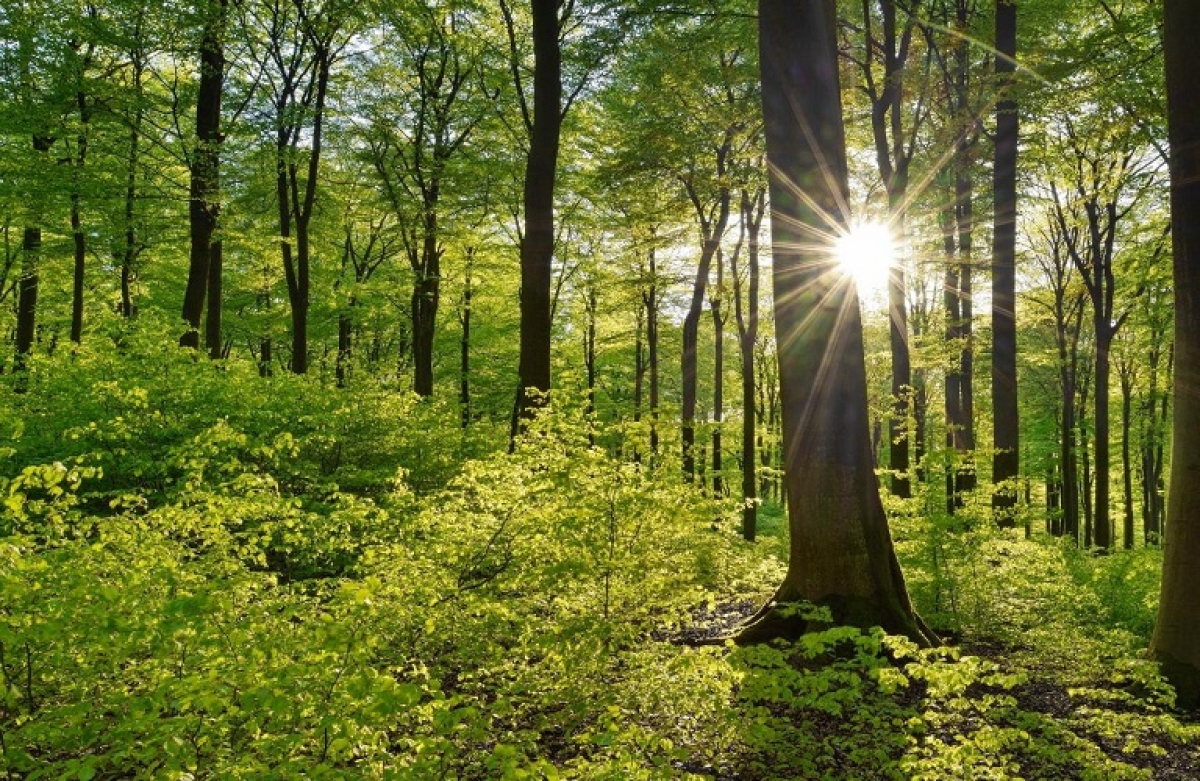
<point>841,552</point>
<point>712,229</point>
<point>650,298</point>
<point>425,301</point>
<point>204,166</point>
<point>464,345</point>
<point>1006,461</point>
<point>27,287</point>
<point>718,457</point>
<point>77,234</point>
<point>1102,525</point>
<point>130,250</point>
<point>746,316</point>
<point>537,242</point>
<point>1126,458</point>
<point>1176,642</point>
<point>589,361</point>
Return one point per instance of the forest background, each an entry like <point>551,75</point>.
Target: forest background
<point>274,272</point>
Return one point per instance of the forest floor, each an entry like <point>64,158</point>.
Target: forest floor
<point>1073,723</point>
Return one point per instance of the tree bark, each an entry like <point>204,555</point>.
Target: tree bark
<point>204,167</point>
<point>1176,642</point>
<point>537,241</point>
<point>1006,435</point>
<point>841,553</point>
<point>464,345</point>
<point>746,316</point>
<point>1126,377</point>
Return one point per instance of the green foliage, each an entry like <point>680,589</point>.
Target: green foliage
<point>208,574</point>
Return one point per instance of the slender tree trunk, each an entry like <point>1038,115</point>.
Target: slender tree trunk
<point>204,165</point>
<point>712,231</point>
<point>1067,459</point>
<point>589,362</point>
<point>1006,462</point>
<point>537,242</point>
<point>650,299</point>
<point>718,458</point>
<point>747,323</point>
<point>1102,526</point>
<point>464,345</point>
<point>1176,642</point>
<point>80,245</point>
<point>77,233</point>
<point>1126,459</point>
<point>130,250</point>
<point>965,478</point>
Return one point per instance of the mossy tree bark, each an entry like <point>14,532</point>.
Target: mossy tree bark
<point>841,552</point>
<point>1176,641</point>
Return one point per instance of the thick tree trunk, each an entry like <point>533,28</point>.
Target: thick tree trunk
<point>425,301</point>
<point>213,336</point>
<point>1176,642</point>
<point>203,204</point>
<point>1006,462</point>
<point>841,553</point>
<point>537,242</point>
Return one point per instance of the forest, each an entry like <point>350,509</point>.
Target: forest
<point>721,389</point>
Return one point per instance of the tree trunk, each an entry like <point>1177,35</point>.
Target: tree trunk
<point>1006,462</point>
<point>711,230</point>
<point>1176,642</point>
<point>650,298</point>
<point>1125,371</point>
<point>589,362</point>
<point>464,345</point>
<point>746,316</point>
<point>77,234</point>
<point>213,336</point>
<point>1102,525</point>
<point>718,458</point>
<point>425,301</point>
<point>204,167</point>
<point>537,242</point>
<point>841,553</point>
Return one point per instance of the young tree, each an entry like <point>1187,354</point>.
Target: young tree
<point>1176,642</point>
<point>841,551</point>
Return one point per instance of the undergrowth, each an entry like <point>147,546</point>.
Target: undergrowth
<point>208,575</point>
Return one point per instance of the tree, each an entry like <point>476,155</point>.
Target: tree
<point>1176,641</point>
<point>1006,433</point>
<point>841,552</point>
<point>204,168</point>
<point>412,143</point>
<point>303,41</point>
<point>895,147</point>
<point>544,122</point>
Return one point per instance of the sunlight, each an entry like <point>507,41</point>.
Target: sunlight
<point>865,255</point>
